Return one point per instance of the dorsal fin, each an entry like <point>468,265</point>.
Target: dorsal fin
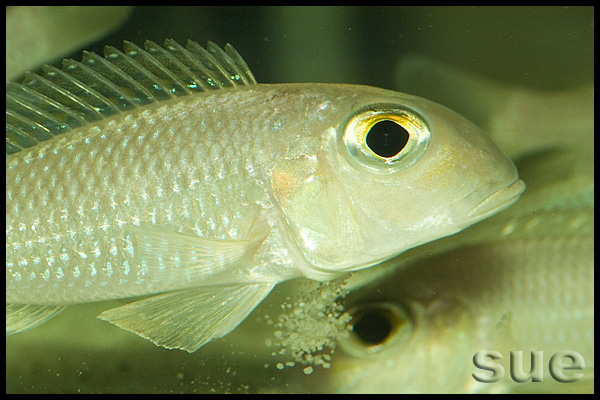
<point>42,107</point>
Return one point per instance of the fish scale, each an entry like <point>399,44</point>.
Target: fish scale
<point>178,183</point>
<point>170,172</point>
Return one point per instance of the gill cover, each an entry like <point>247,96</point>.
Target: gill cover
<point>326,225</point>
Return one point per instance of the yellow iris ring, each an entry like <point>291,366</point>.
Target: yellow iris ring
<point>401,324</point>
<point>359,125</point>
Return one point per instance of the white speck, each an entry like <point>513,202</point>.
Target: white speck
<point>109,269</point>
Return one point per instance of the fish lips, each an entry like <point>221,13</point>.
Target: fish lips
<point>499,200</point>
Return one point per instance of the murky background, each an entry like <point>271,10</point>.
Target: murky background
<point>525,49</point>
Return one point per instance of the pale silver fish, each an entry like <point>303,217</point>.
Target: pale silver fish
<point>169,171</point>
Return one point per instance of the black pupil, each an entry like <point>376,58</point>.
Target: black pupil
<point>372,327</point>
<point>387,138</point>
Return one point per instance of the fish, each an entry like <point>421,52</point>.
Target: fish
<point>168,173</point>
<point>527,286</point>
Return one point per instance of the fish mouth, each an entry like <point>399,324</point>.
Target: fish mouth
<point>499,200</point>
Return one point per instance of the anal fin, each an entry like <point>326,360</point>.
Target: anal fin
<point>190,318</point>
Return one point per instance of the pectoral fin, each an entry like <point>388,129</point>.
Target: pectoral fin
<point>20,317</point>
<point>188,319</point>
<point>194,257</point>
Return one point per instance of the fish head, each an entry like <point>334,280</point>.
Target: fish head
<point>396,172</point>
<point>407,347</point>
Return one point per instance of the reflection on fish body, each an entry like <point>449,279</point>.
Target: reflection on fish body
<point>169,171</point>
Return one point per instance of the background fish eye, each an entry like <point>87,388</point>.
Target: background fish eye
<point>374,326</point>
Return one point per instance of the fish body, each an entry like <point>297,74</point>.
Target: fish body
<point>170,172</point>
<point>536,295</point>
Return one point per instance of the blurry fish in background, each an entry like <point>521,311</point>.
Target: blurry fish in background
<point>519,120</point>
<point>169,171</point>
<point>42,34</point>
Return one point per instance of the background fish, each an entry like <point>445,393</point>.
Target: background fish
<point>170,171</point>
<point>507,110</point>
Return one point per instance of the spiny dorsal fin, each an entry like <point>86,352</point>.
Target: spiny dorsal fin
<point>42,107</point>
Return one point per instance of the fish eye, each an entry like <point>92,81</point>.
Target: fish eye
<point>374,326</point>
<point>385,138</point>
